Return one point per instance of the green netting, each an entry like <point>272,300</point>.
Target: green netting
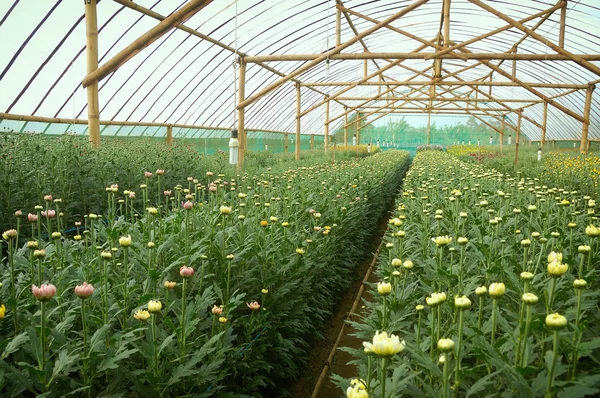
<point>206,140</point>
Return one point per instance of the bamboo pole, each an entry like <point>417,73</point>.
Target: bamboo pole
<point>563,23</point>
<point>312,141</point>
<point>326,137</point>
<point>285,144</point>
<point>446,23</point>
<point>579,60</point>
<point>441,99</point>
<point>502,134</point>
<point>365,69</point>
<point>345,126</point>
<point>185,12</point>
<point>152,14</point>
<point>445,83</point>
<point>518,137</point>
<point>60,120</point>
<point>583,148</point>
<point>330,53</point>
<point>358,126</point>
<point>242,136</point>
<point>544,121</point>
<point>428,127</point>
<point>514,66</point>
<point>338,27</point>
<point>298,109</point>
<point>529,88</point>
<point>441,54</point>
<point>169,134</point>
<point>91,33</point>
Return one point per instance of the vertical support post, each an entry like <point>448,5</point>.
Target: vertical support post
<point>286,143</point>
<point>312,141</point>
<point>298,111</point>
<point>242,113</point>
<point>514,66</point>
<point>358,127</point>
<point>91,44</point>
<point>502,134</point>
<point>326,137</point>
<point>563,20</point>
<point>379,87</point>
<point>583,148</point>
<point>345,126</point>
<point>169,134</point>
<point>544,120</point>
<point>517,139</point>
<point>446,23</point>
<point>476,99</point>
<point>365,69</point>
<point>428,127</point>
<point>338,27</point>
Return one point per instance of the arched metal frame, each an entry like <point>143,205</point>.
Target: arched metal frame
<point>186,76</point>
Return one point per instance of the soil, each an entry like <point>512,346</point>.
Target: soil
<point>303,387</point>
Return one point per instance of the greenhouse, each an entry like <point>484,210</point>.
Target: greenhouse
<point>333,198</point>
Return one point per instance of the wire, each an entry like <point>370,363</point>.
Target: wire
<point>234,64</point>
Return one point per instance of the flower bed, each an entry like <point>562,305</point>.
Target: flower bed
<point>487,283</point>
<point>210,287</point>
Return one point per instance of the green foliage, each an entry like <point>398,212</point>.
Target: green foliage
<point>516,359</point>
<point>240,239</point>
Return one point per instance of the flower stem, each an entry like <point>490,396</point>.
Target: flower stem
<point>155,356</point>
<point>445,376</point>
<point>383,321</point>
<point>183,300</point>
<point>552,366</point>
<point>480,318</point>
<point>551,297</point>
<point>494,305</point>
<point>459,346</point>
<point>525,335</point>
<point>43,339</point>
<point>576,336</point>
<point>84,356</point>
<point>383,376</point>
<point>419,328</point>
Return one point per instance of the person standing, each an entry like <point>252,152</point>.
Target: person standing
<point>491,140</point>
<point>539,154</point>
<point>509,139</point>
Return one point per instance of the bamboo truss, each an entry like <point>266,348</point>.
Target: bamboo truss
<point>454,79</point>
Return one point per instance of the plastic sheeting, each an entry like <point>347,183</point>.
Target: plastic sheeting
<point>183,79</point>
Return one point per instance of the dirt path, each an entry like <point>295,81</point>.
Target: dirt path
<point>303,387</point>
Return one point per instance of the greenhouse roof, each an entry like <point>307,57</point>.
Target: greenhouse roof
<point>189,75</point>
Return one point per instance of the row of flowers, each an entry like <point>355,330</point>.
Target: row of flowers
<point>475,290</point>
<point>212,286</point>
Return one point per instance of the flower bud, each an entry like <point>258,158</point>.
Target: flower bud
<point>408,264</point>
<point>384,288</point>
<point>462,241</point>
<point>530,298</point>
<point>222,320</point>
<point>45,292</point>
<point>154,306</point>
<point>556,269</point>
<point>396,262</point>
<point>141,315</point>
<point>125,241</point>
<point>583,249</point>
<point>84,291</point>
<point>579,283</point>
<point>556,321</point>
<point>526,276</point>
<point>186,272</point>
<point>445,345</point>
<point>462,302</point>
<point>525,243</point>
<point>254,306</point>
<point>169,284</point>
<point>497,289</point>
